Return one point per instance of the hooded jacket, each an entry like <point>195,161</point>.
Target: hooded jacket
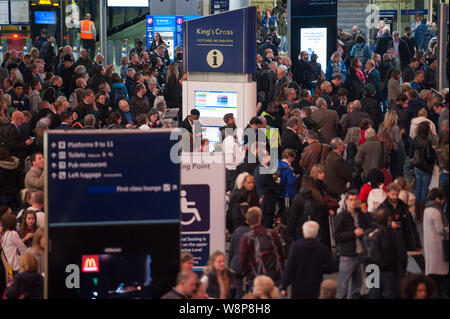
<point>8,176</point>
<point>415,124</point>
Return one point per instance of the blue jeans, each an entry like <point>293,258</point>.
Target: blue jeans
<point>422,182</point>
<point>388,284</point>
<point>349,271</point>
<point>283,44</point>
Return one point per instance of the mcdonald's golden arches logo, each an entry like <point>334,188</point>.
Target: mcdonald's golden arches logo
<point>90,263</point>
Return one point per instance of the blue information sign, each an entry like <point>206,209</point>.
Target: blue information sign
<point>414,12</point>
<point>170,29</point>
<point>111,177</point>
<point>224,42</point>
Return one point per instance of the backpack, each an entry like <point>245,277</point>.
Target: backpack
<point>266,255</point>
<point>387,142</point>
<point>377,247</point>
<point>376,197</point>
<point>118,95</point>
<point>359,53</point>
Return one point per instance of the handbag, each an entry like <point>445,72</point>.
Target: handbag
<point>8,267</point>
<point>416,160</point>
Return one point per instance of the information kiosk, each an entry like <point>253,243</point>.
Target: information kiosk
<point>219,56</point>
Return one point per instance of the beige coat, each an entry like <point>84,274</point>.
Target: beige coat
<point>433,234</point>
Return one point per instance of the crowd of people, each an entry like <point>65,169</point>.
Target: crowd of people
<point>363,163</point>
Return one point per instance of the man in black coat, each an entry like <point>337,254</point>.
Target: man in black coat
<point>188,122</point>
<point>185,286</point>
<point>402,222</point>
<point>44,111</point>
<point>391,256</point>
<point>349,227</point>
<point>308,260</point>
<point>354,118</point>
<point>383,41</point>
<point>269,45</point>
<point>67,73</point>
<point>302,71</point>
<point>15,142</point>
<point>430,74</point>
<point>409,40</point>
<point>401,49</point>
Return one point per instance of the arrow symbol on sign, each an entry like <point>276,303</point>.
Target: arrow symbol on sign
<point>53,145</point>
<point>53,155</point>
<point>54,175</point>
<point>54,165</point>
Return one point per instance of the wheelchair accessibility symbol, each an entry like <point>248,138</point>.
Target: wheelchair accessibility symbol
<point>194,202</point>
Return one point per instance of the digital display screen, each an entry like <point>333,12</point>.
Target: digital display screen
<point>215,103</point>
<point>212,133</point>
<point>314,41</point>
<point>45,17</point>
<point>115,276</point>
<point>20,12</point>
<point>128,3</point>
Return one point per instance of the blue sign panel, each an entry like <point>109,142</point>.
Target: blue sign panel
<point>218,6</point>
<point>170,29</point>
<point>224,42</point>
<point>195,204</point>
<point>198,245</point>
<point>383,13</point>
<point>110,177</point>
<point>414,12</point>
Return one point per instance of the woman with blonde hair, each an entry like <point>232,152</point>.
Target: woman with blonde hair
<point>390,134</point>
<point>217,279</point>
<point>335,66</point>
<point>264,287</point>
<point>34,52</point>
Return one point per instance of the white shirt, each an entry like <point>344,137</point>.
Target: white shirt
<point>233,153</point>
<point>13,247</point>
<point>40,219</point>
<point>396,49</point>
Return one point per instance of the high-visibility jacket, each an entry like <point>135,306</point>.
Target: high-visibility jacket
<point>87,29</point>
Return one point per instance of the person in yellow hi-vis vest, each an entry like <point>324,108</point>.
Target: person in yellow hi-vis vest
<point>88,35</point>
